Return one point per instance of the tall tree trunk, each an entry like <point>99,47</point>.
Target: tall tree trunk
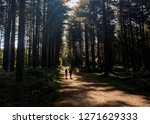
<point>30,42</point>
<point>44,43</point>
<point>29,52</point>
<point>34,50</point>
<point>138,49</point>
<point>21,34</point>
<point>37,33</point>
<point>87,47</point>
<point>80,45</point>
<point>98,45</point>
<point>126,47</point>
<point>7,38</point>
<point>57,48</point>
<point>49,47</point>
<point>105,36</point>
<point>53,48</point>
<point>122,35</point>
<point>93,46</point>
<point>131,37</point>
<point>12,50</point>
<point>49,34</point>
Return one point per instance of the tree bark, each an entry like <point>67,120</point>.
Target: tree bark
<point>7,38</point>
<point>20,50</point>
<point>12,50</point>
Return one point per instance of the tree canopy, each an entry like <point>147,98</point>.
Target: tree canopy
<point>94,35</point>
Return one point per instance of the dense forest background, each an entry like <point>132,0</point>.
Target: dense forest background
<point>94,36</point>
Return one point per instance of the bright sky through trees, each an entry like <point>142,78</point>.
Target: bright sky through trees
<point>72,3</point>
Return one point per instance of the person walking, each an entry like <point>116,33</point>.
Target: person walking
<point>70,71</point>
<point>66,73</point>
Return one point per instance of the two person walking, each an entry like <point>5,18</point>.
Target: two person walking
<point>70,72</point>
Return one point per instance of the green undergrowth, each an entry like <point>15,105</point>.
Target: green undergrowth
<point>39,88</point>
<point>128,81</point>
<point>140,79</point>
<point>113,81</point>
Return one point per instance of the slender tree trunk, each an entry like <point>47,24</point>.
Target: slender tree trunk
<point>122,36</point>
<point>49,48</point>
<point>34,50</point>
<point>87,47</point>
<point>126,47</point>
<point>131,38</point>
<point>37,34</point>
<point>105,35</point>
<point>44,43</point>
<point>12,50</point>
<point>49,34</point>
<point>29,52</point>
<point>57,48</point>
<point>80,45</point>
<point>93,46</point>
<point>21,34</point>
<point>138,49</point>
<point>53,48</point>
<point>7,38</point>
<point>98,45</point>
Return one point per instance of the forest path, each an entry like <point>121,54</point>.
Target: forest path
<point>86,91</point>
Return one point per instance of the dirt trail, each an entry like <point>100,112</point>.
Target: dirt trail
<point>85,91</point>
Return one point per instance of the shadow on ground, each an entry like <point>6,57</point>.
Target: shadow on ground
<point>86,91</point>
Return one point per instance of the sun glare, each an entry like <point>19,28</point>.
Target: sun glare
<point>72,3</point>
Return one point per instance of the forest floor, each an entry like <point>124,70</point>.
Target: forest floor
<point>87,90</point>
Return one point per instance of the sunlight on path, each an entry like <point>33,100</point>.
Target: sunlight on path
<point>83,90</point>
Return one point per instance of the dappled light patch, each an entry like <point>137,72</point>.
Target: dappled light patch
<point>86,90</point>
